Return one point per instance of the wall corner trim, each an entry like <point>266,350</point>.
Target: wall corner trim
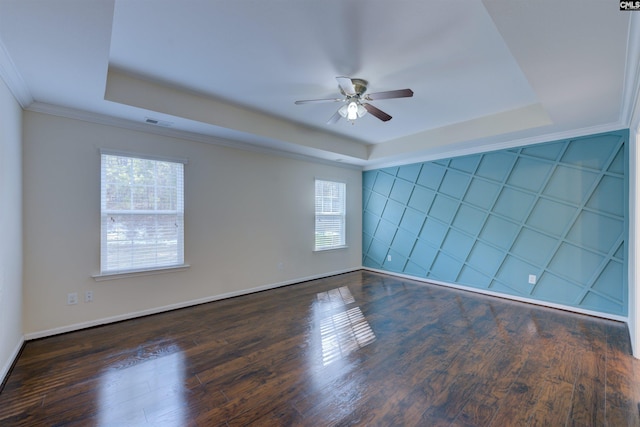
<point>13,79</point>
<point>6,369</point>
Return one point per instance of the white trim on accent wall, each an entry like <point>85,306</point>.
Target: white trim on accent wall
<point>501,295</point>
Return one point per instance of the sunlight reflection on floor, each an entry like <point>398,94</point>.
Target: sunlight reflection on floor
<point>343,332</point>
<point>148,391</point>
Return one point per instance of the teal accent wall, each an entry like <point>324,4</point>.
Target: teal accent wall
<point>556,210</point>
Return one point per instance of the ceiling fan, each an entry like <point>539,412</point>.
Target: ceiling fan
<point>354,97</point>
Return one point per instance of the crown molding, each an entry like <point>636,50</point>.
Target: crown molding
<point>91,117</point>
<point>478,147</point>
<point>13,79</point>
<point>469,148</point>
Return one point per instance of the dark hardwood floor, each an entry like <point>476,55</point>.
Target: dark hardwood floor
<point>355,349</point>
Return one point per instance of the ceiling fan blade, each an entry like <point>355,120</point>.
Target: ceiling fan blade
<point>334,119</point>
<point>377,112</point>
<point>346,85</point>
<point>311,101</point>
<point>401,93</point>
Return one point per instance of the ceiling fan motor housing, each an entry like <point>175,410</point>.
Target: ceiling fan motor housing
<point>359,85</point>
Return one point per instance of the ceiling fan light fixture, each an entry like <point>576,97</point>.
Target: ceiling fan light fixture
<point>343,111</point>
<point>352,110</point>
<point>361,110</point>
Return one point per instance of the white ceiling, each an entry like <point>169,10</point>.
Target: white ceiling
<point>485,74</point>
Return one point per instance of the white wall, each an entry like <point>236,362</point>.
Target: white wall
<point>634,211</point>
<point>245,213</point>
<point>11,226</point>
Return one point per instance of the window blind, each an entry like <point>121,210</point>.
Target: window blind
<point>330,214</point>
<point>142,214</point>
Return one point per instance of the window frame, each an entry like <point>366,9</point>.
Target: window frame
<point>106,274</point>
<point>342,214</point>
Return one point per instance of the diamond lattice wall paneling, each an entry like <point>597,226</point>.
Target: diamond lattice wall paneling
<point>488,221</point>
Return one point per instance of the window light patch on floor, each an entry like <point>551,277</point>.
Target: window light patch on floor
<point>336,297</point>
<point>343,333</point>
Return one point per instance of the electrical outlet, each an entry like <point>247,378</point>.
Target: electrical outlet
<point>532,279</point>
<point>88,296</point>
<point>389,258</point>
<point>72,298</point>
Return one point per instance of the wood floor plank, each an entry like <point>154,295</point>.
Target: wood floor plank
<point>622,381</point>
<point>588,402</point>
<point>360,348</point>
<point>496,372</point>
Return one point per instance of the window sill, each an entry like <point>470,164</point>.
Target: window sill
<point>331,248</point>
<point>133,273</point>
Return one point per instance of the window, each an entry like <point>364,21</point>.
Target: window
<point>330,215</point>
<point>142,214</point>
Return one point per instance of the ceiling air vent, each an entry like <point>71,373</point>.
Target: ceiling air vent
<point>157,122</point>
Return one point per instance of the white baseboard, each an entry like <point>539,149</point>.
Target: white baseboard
<point>504,296</point>
<point>9,363</point>
<point>155,310</point>
<point>127,316</point>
